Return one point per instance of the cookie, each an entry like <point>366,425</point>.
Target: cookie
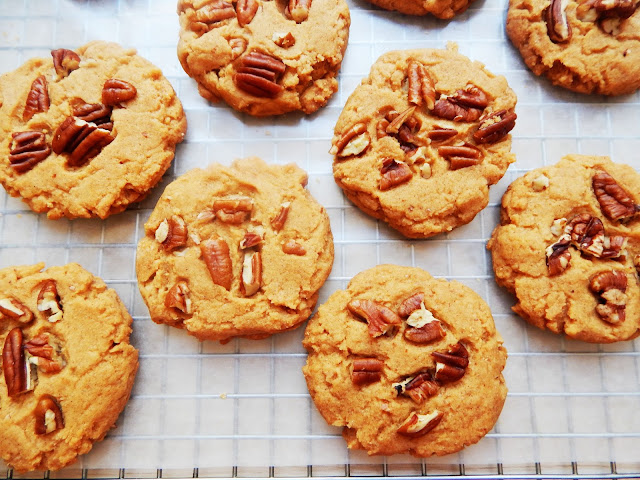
<point>264,57</point>
<point>87,132</point>
<point>406,363</point>
<point>235,251</point>
<point>67,365</point>
<point>588,46</point>
<point>437,8</point>
<point>568,248</point>
<point>422,138</point>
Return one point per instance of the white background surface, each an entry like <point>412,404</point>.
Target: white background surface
<point>572,407</point>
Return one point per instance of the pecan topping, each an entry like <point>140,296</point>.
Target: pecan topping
<point>238,46</point>
<point>421,86</point>
<point>451,366</point>
<point>48,415</point>
<point>233,209</point>
<point>615,202</point>
<point>464,106</point>
<point>441,134</point>
<point>461,156</point>
<point>172,233</point>
<point>298,10</point>
<point>495,127</point>
<point>411,304</point>
<point>418,388</point>
<point>616,8</point>
<point>614,247</point>
<point>215,252</point>
<point>16,371</point>
<point>95,113</point>
<point>427,332</point>
<point>417,425</point>
<point>284,40</point>
<point>178,298</point>
<point>12,308</point>
<point>205,17</point>
<point>250,240</point>
<point>381,320</point>
<point>294,248</point>
<point>251,273</point>
<point>353,142</point>
<point>558,256</point>
<point>399,120</point>
<point>587,234</point>
<point>394,173</point>
<point>40,353</point>
<point>49,301</point>
<point>555,16</point>
<point>81,140</point>
<point>279,220</point>
<point>65,61</point>
<point>609,14</point>
<point>37,99</point>
<point>115,91</point>
<point>246,10</point>
<point>258,74</point>
<point>401,126</point>
<point>611,287</point>
<point>366,370</point>
<point>27,150</point>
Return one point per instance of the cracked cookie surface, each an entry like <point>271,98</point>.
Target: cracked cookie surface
<point>568,248</point>
<point>588,46</point>
<point>406,363</point>
<point>438,8</point>
<point>235,251</point>
<point>68,367</point>
<point>264,57</point>
<point>86,132</point>
<point>422,138</point>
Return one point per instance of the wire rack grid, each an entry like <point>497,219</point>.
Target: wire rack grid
<point>242,409</point>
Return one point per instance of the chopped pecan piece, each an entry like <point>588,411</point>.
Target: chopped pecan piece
<point>399,120</point>
<point>178,298</point>
<point>611,287</point>
<point>95,113</point>
<point>238,46</point>
<point>41,354</point>
<point>418,388</point>
<point>495,127</point>
<point>251,273</point>
<point>65,61</point>
<point>291,247</point>
<point>452,365</point>
<point>284,40</point>
<point>279,220</point>
<point>49,301</point>
<point>251,239</point>
<point>558,256</point>
<point>614,247</point>
<point>616,8</point>
<point>366,370</point>
<point>461,156</point>
<point>555,16</point>
<point>298,10</point>
<point>37,99</point>
<point>615,202</point>
<point>16,370</point>
<point>420,85</point>
<point>258,74</point>
<point>394,173</point>
<point>246,10</point>
<point>425,333</point>
<point>233,209</point>
<point>12,308</point>
<point>411,304</point>
<point>381,320</point>
<point>403,127</point>
<point>81,140</point>
<point>422,326</point>
<point>587,234</point>
<point>441,134</point>
<point>205,17</point>
<point>27,150</point>
<point>352,142</point>
<point>464,106</point>
<point>115,91</point>
<point>417,425</point>
<point>215,252</point>
<point>172,233</point>
<point>48,415</point>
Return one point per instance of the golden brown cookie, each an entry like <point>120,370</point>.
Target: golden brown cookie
<point>588,46</point>
<point>568,248</point>
<point>422,138</point>
<point>67,365</point>
<point>264,57</point>
<point>406,363</point>
<point>86,132</point>
<point>235,251</point>
<point>437,8</point>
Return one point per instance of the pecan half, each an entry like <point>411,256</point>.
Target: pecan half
<point>461,156</point>
<point>394,173</point>
<point>16,370</point>
<point>418,388</point>
<point>65,61</point>
<point>233,209</point>
<point>465,105</point>
<point>40,354</point>
<point>587,234</point>
<point>95,113</point>
<point>421,88</point>
<point>251,239</point>
<point>251,273</point>
<point>258,74</point>
<point>81,140</point>
<point>495,127</point>
<point>452,365</point>
<point>441,134</point>
<point>366,370</point>
<point>291,247</point>
<point>381,320</point>
<point>555,16</point>
<point>172,233</point>
<point>615,202</point>
<point>49,301</point>
<point>610,287</point>
<point>417,425</point>
<point>37,99</point>
<point>246,10</point>
<point>178,298</point>
<point>279,220</point>
<point>298,10</point>
<point>115,91</point>
<point>205,17</point>
<point>215,252</point>
<point>48,415</point>
<point>12,308</point>
<point>27,150</point>
<point>352,142</point>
